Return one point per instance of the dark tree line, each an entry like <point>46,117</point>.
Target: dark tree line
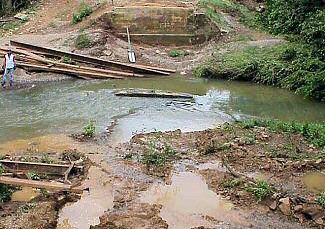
<point>9,6</point>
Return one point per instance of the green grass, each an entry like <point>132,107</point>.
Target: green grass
<point>84,10</point>
<point>313,132</point>
<point>178,53</point>
<point>156,154</point>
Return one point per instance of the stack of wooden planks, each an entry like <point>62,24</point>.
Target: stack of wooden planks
<point>42,59</point>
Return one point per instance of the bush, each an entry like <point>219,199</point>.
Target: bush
<point>83,11</point>
<point>83,41</point>
<point>90,129</point>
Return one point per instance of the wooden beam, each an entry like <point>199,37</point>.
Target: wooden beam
<point>153,94</point>
<point>53,186</point>
<point>44,168</point>
<point>98,61</point>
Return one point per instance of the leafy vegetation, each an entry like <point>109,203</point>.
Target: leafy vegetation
<point>34,176</point>
<point>261,190</point>
<point>83,11</point>
<point>315,133</point>
<point>157,155</point>
<point>90,129</point>
<point>68,60</point>
<point>83,41</point>
<point>178,53</point>
<point>8,7</point>
<point>320,199</point>
<point>5,190</point>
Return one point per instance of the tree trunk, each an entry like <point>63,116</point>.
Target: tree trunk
<point>9,6</point>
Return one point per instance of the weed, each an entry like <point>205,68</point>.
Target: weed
<point>320,199</point>
<point>261,190</point>
<point>31,10</point>
<point>178,53</point>
<point>155,155</point>
<point>83,11</point>
<point>34,176</point>
<point>11,25</point>
<point>5,193</point>
<point>232,183</point>
<point>68,60</point>
<point>90,129</point>
<point>83,41</point>
<point>46,158</point>
<point>52,24</point>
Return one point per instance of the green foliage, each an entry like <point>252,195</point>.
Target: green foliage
<point>232,183</point>
<point>261,190</point>
<point>313,132</point>
<point>320,199</point>
<point>83,11</point>
<point>90,129</point>
<point>157,155</point>
<point>178,53</point>
<point>292,66</point>
<point>1,169</point>
<point>83,41</point>
<point>304,18</point>
<point>5,193</point>
<point>68,60</point>
<point>34,176</point>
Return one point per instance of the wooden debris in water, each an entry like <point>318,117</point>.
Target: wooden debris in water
<point>153,94</point>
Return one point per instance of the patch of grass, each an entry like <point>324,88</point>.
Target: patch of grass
<point>261,190</point>
<point>68,60</point>
<point>156,155</point>
<point>320,199</point>
<point>83,11</point>
<point>12,25</point>
<point>83,41</point>
<point>178,53</point>
<point>52,24</point>
<point>313,132</point>
<point>231,183</point>
<point>89,130</point>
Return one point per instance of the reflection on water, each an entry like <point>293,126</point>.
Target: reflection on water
<point>66,107</point>
<point>187,202</point>
<point>315,181</point>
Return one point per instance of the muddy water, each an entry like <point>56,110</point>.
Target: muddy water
<point>66,107</point>
<point>315,181</point>
<point>188,202</point>
<point>25,195</point>
<point>86,211</point>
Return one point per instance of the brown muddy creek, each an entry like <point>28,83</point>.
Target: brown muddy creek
<point>314,181</point>
<point>85,212</point>
<point>187,202</point>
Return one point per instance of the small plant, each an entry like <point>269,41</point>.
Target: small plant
<point>89,130</point>
<point>260,190</point>
<point>320,199</point>
<point>83,41</point>
<point>178,53</point>
<point>232,183</point>
<point>155,155</point>
<point>83,11</point>
<point>68,60</point>
<point>52,24</point>
<point>34,176</point>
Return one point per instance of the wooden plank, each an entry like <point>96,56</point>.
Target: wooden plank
<point>68,71</point>
<point>98,61</point>
<point>153,94</point>
<point>66,173</point>
<point>58,169</point>
<point>53,186</point>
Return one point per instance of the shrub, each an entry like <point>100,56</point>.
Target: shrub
<point>320,199</point>
<point>83,11</point>
<point>83,41</point>
<point>90,129</point>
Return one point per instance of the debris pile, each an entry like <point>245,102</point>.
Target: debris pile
<point>40,59</point>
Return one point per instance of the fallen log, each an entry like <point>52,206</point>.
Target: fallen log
<point>44,168</point>
<point>52,186</point>
<point>153,94</point>
<point>92,60</point>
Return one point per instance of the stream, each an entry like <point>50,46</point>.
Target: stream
<point>65,107</point>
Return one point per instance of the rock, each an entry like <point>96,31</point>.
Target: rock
<point>320,221</point>
<point>319,161</point>
<point>285,206</point>
<point>298,208</point>
<point>183,73</point>
<point>21,16</point>
<point>157,51</point>
<point>311,212</point>
<point>273,206</point>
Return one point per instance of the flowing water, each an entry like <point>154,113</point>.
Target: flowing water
<point>64,108</point>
